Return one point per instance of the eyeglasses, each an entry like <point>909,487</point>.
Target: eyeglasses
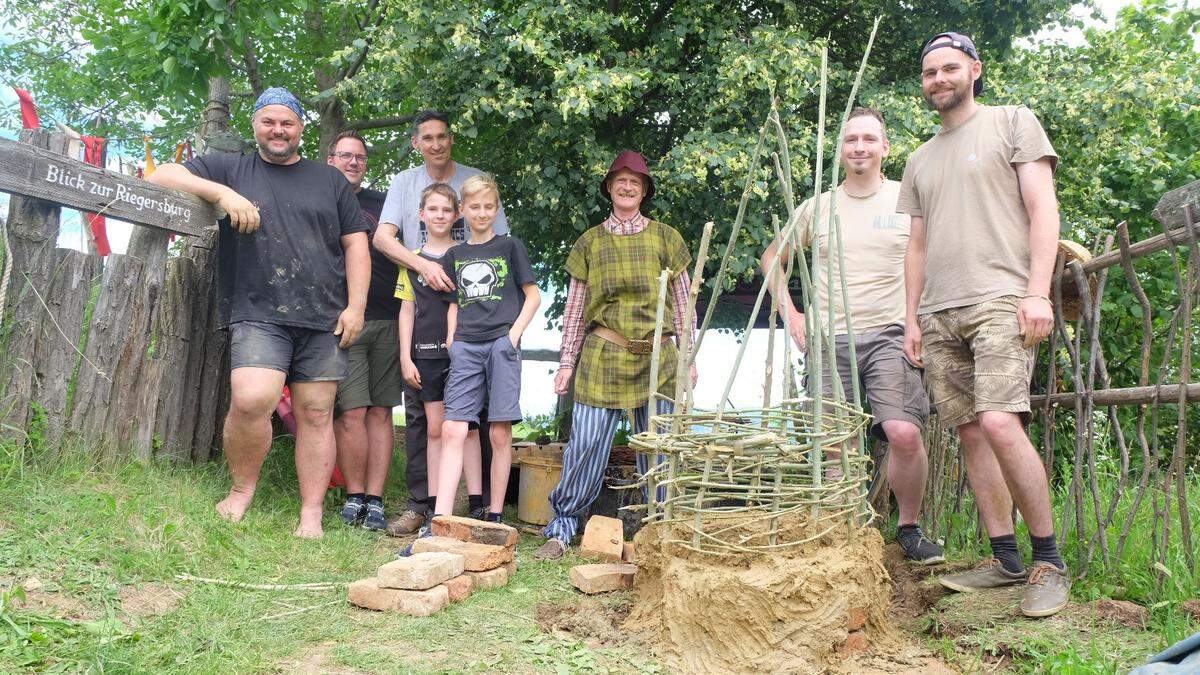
<point>348,156</point>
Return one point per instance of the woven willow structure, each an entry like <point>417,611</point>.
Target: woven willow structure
<point>731,479</point>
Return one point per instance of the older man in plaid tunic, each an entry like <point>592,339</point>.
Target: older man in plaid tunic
<point>608,327</point>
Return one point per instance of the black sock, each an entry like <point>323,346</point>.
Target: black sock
<point>1005,550</point>
<point>474,502</point>
<point>355,495</point>
<point>427,503</point>
<point>374,499</point>
<point>1045,550</point>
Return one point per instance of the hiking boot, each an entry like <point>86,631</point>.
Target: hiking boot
<point>987,574</point>
<point>920,549</point>
<point>553,549</point>
<point>354,511</point>
<point>480,513</point>
<point>374,519</point>
<point>425,531</point>
<point>405,524</point>
<point>1047,590</point>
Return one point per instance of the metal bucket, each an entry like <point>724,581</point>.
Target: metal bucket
<point>539,477</point>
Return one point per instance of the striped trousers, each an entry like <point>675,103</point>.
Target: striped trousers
<point>584,461</point>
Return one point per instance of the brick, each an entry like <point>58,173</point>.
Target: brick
<point>857,641</point>
<point>476,557</point>
<point>421,570</point>
<point>511,568</point>
<point>602,578</point>
<point>627,552</point>
<point>1191,608</point>
<point>603,538</point>
<point>367,593</point>
<point>460,587</point>
<point>856,618</point>
<point>489,579</point>
<point>477,531</point>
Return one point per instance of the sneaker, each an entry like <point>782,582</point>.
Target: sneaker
<point>920,549</point>
<point>354,511</point>
<point>1047,590</point>
<point>553,549</point>
<point>407,523</point>
<point>480,513</point>
<point>374,519</point>
<point>425,531</point>
<point>987,574</point>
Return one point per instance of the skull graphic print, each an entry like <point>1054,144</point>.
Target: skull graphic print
<point>480,279</point>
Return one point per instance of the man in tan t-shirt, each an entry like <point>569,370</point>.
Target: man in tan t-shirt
<point>874,238</point>
<point>977,273</point>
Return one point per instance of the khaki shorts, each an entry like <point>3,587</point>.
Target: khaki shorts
<point>888,382</point>
<point>373,378</point>
<point>975,361</point>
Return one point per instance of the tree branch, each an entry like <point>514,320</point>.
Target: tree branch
<point>380,122</point>
<point>368,28</point>
<point>251,61</point>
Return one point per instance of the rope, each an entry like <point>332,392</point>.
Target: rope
<point>7,268</point>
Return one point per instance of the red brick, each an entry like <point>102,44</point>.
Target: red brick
<point>489,579</point>
<point>420,570</point>
<point>856,618</point>
<point>602,578</point>
<point>460,587</point>
<point>856,642</point>
<point>511,568</point>
<point>603,538</point>
<point>477,531</point>
<point>628,555</point>
<point>476,557</point>
<point>369,594</point>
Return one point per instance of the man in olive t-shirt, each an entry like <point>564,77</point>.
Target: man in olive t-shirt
<point>874,238</point>
<point>977,275</point>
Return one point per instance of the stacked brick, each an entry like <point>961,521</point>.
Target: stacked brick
<point>465,555</point>
<point>604,540</point>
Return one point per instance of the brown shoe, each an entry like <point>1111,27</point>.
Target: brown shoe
<point>405,524</point>
<point>987,574</point>
<point>1047,591</point>
<point>553,549</point>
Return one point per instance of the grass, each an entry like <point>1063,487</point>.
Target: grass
<point>91,536</point>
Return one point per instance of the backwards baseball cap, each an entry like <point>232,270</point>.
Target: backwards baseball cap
<point>280,96</point>
<point>956,41</point>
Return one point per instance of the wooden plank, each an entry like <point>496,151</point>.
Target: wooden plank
<point>1169,210</point>
<point>33,172</point>
<point>1168,393</point>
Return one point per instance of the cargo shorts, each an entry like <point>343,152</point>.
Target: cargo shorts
<point>372,369</point>
<point>976,361</point>
<point>888,382</point>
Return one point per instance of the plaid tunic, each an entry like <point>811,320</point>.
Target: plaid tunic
<point>621,273</point>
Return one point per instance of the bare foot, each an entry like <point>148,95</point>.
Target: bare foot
<point>233,507</point>
<point>310,524</point>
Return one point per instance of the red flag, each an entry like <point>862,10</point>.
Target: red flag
<point>93,153</point>
<point>29,116</point>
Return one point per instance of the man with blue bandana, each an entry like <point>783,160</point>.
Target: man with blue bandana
<point>293,266</point>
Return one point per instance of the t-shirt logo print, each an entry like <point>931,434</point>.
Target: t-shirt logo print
<point>479,279</point>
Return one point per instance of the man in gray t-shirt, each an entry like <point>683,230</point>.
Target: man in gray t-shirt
<point>399,234</point>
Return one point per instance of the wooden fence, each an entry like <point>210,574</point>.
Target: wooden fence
<point>123,352</point>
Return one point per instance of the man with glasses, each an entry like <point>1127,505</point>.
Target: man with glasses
<point>401,232</point>
<point>364,427</point>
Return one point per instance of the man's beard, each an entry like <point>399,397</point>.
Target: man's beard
<point>280,155</point>
<point>957,96</point>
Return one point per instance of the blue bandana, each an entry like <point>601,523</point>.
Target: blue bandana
<point>279,96</point>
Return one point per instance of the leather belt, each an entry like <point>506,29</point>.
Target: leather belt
<point>639,347</point>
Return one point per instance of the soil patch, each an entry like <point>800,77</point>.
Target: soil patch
<point>150,599</point>
<point>786,611</point>
<point>45,600</point>
<point>588,620</point>
<point>915,588</point>
<point>316,662</point>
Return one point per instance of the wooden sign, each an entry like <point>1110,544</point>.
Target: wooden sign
<point>34,172</point>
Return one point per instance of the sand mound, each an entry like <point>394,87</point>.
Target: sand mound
<point>782,612</point>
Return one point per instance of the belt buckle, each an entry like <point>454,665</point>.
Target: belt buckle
<point>639,347</point>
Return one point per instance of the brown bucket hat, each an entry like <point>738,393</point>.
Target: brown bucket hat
<point>635,162</point>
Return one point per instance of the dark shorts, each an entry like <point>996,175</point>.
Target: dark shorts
<point>887,381</point>
<point>373,369</point>
<point>433,379</point>
<point>484,375</point>
<point>304,354</point>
